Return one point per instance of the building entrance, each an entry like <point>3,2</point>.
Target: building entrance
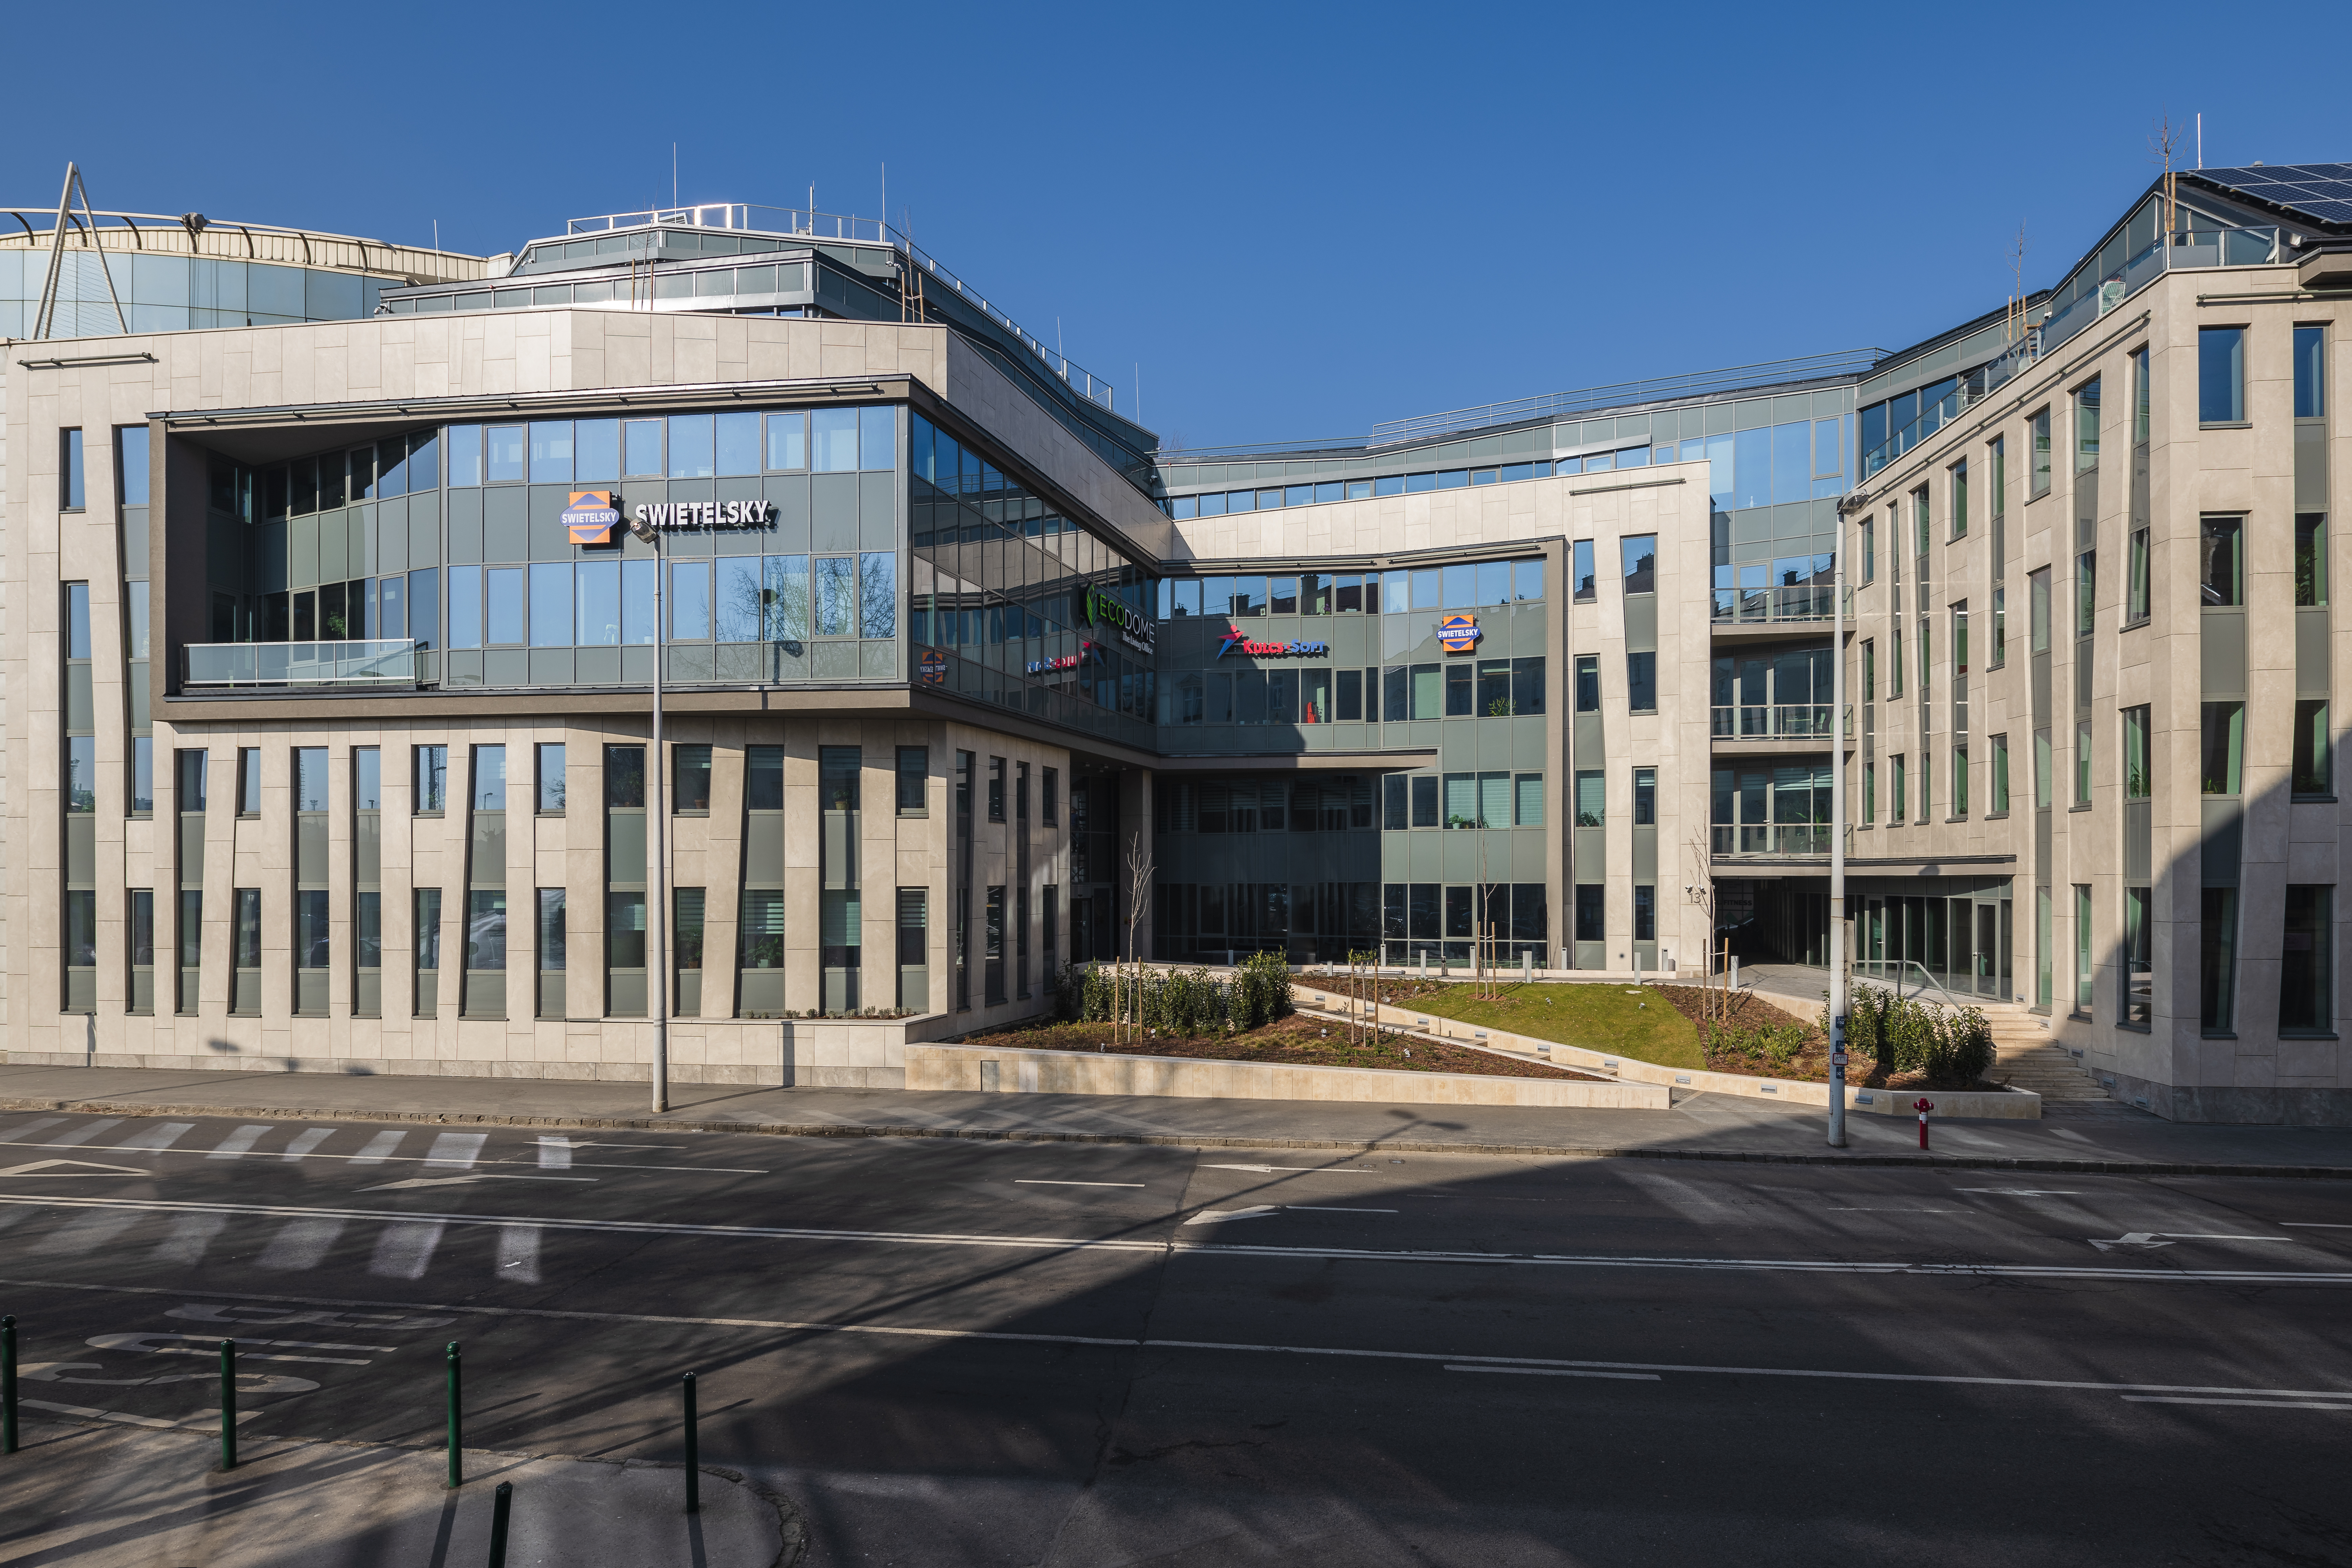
<point>1963,941</point>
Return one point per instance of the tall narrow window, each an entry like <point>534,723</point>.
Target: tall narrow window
<point>2310,373</point>
<point>141,919</point>
<point>1869,669</point>
<point>2083,975</point>
<point>2000,629</point>
<point>2217,977</point>
<point>1645,796</point>
<point>2136,973</point>
<point>2142,398</point>
<point>2314,767</point>
<point>2038,433</point>
<point>2221,558</point>
<point>2221,375</point>
<point>2082,763</point>
<point>2306,967</point>
<point>1581,574</point>
<point>1640,558</point>
<point>2222,747</point>
<point>686,951</point>
<point>2138,782</point>
<point>244,938</point>
<point>2135,581</point>
<point>432,785</point>
<point>1870,550</point>
<point>1588,683</point>
<point>72,480</point>
<point>1996,455</point>
<point>549,756</point>
<point>914,777</point>
<point>2086,429</point>
<point>550,946</point>
<point>1959,488</point>
<point>691,780</point>
<point>2000,776</point>
<point>2311,559</point>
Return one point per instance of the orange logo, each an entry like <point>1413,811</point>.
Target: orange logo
<point>592,517</point>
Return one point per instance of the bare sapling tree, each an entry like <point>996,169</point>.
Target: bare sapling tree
<point>1701,892</point>
<point>1139,888</point>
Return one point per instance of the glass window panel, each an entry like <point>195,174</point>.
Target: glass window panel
<point>691,447</point>
<point>1591,798</point>
<point>641,448</point>
<point>1493,583</point>
<point>2222,554</point>
<point>625,777</point>
<point>2310,374</point>
<point>1461,587</point>
<point>551,451</point>
<point>741,602</point>
<point>503,593</point>
<point>788,440</point>
<point>2220,375</point>
<point>834,596</point>
<point>465,607</point>
<point>596,450</point>
<point>489,778</point>
<point>600,603</point>
<point>504,449</point>
<point>551,604</point>
<point>877,594</point>
<point>638,601</point>
<point>689,605</point>
<point>738,444</point>
<point>877,439</point>
<point>309,778</point>
<point>1640,554</point>
<point>550,776</point>
<point>465,459</point>
<point>832,440</point>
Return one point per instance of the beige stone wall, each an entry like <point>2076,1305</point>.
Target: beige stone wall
<point>2173,1065</point>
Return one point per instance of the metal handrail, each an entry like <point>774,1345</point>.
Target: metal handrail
<point>1867,966</point>
<point>1767,373</point>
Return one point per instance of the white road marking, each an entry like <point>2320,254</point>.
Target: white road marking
<point>555,1153</point>
<point>1301,1170</point>
<point>85,1233</point>
<point>1233,1250</point>
<point>518,1253</point>
<point>464,1181</point>
<point>1894,1211</point>
<point>1557,1371</point>
<point>84,1133</point>
<point>1326,1208</point>
<point>2018,1192</point>
<point>379,1148</point>
<point>2155,1238</point>
<point>378,1152</point>
<point>72,1168</point>
<point>404,1250</point>
<point>29,1128</point>
<point>209,1344</point>
<point>1041,1182</point>
<point>238,1142</point>
<point>459,1149</point>
<point>191,1235</point>
<point>1211,1216</point>
<point>306,1142</point>
<point>2312,1224</point>
<point>2284,1403</point>
<point>301,1244</point>
<point>156,1139</point>
<point>884,1331</point>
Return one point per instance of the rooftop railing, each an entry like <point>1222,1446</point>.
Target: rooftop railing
<point>387,663</point>
<point>807,224</point>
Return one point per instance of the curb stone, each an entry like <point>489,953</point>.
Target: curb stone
<point>2041,1164</point>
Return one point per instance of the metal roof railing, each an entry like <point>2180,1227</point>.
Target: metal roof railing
<point>808,224</point>
<point>1617,394</point>
<point>192,234</point>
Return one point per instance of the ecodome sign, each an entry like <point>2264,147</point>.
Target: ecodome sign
<point>1096,608</point>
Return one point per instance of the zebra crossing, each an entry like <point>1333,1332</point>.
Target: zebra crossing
<point>392,1248</point>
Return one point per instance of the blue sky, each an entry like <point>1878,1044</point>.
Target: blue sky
<point>1296,221</point>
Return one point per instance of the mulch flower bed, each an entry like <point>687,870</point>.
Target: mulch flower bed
<point>1811,1061</point>
<point>1296,1041</point>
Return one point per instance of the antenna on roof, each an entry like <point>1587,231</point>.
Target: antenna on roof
<point>2200,138</point>
<point>2168,137</point>
<point>45,319</point>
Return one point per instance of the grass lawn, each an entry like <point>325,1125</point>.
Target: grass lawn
<point>1610,1018</point>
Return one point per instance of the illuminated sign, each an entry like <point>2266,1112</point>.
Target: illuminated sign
<point>592,517</point>
<point>1459,634</point>
<point>1096,608</point>
<point>691,515</point>
<point>1237,640</point>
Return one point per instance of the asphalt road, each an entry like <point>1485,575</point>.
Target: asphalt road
<point>959,1352</point>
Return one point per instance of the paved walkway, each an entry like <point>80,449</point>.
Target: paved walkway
<point>93,1495</point>
<point>1704,1127</point>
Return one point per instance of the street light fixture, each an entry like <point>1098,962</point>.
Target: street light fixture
<point>657,895</point>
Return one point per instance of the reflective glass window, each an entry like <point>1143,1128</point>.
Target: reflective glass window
<point>690,600</point>
<point>691,447</point>
<point>596,451</point>
<point>832,440</point>
<point>788,440</point>
<point>503,450</point>
<point>738,444</point>
<point>551,451</point>
<point>465,454</point>
<point>550,604</point>
<point>877,437</point>
<point>641,448</point>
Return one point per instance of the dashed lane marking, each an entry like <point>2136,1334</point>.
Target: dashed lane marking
<point>1229,1250</point>
<point>1450,1360</point>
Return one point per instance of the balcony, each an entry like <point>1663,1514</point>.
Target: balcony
<point>1764,606</point>
<point>1773,840</point>
<point>397,664</point>
<point>1791,722</point>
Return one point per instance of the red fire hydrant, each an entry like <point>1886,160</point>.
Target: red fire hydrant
<point>1923,1105</point>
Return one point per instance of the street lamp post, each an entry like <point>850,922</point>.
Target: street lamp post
<point>1837,854</point>
<point>658,879</point>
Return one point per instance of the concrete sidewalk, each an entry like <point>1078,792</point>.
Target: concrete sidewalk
<point>1702,1127</point>
<point>96,1494</point>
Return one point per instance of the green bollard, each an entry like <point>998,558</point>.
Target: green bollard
<point>501,1503</point>
<point>693,1453</point>
<point>228,1404</point>
<point>8,1384</point>
<point>456,1412</point>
